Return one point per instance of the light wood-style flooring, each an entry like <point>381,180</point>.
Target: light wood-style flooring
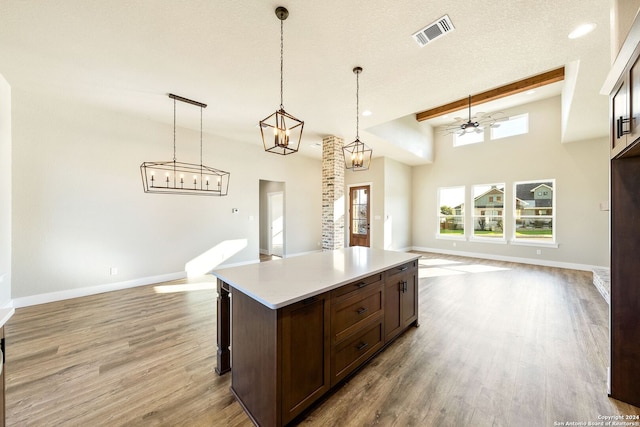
<point>500,344</point>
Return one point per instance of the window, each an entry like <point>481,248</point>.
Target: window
<point>488,208</point>
<point>451,211</point>
<point>515,125</point>
<point>534,211</point>
<point>468,138</point>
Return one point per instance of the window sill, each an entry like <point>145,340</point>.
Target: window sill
<point>533,243</point>
<point>488,240</point>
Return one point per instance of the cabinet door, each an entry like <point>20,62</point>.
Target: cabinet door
<point>634,102</point>
<point>409,300</point>
<point>392,316</point>
<point>305,354</point>
<point>619,117</point>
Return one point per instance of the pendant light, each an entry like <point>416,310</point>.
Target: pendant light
<point>281,132</point>
<point>173,177</point>
<point>357,156</point>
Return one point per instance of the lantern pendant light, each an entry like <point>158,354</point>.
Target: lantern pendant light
<point>357,156</point>
<point>281,132</point>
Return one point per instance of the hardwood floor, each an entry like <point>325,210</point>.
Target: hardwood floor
<point>500,344</point>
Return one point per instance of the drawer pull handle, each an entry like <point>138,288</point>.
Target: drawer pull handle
<point>361,310</point>
<point>362,345</point>
<point>405,268</point>
<point>362,284</point>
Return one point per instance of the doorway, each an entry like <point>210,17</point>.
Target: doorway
<point>359,216</point>
<point>275,215</point>
<point>273,221</point>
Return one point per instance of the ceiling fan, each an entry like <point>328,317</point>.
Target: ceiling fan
<point>476,124</point>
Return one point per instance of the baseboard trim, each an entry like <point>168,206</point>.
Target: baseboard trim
<point>530,261</point>
<point>93,290</point>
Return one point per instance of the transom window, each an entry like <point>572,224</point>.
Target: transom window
<point>514,125</point>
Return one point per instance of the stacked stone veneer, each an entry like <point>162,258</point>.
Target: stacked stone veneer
<point>332,191</point>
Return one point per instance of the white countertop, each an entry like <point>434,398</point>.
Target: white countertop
<point>5,315</point>
<point>279,283</point>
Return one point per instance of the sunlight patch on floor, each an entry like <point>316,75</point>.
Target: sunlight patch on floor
<point>436,267</point>
<point>437,261</point>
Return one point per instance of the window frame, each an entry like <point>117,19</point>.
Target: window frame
<point>439,215</point>
<point>492,137</point>
<point>532,241</point>
<point>489,211</point>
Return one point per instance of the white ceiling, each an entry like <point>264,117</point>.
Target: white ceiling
<point>127,55</point>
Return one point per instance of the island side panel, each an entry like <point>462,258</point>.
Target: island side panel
<point>255,379</point>
<point>223,322</point>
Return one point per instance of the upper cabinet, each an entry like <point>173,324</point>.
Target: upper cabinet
<point>625,108</point>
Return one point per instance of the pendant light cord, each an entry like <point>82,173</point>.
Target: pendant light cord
<point>200,140</point>
<point>281,61</point>
<point>357,106</point>
<point>174,130</point>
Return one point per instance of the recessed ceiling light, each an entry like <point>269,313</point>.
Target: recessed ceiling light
<point>530,92</point>
<point>366,113</point>
<point>581,30</point>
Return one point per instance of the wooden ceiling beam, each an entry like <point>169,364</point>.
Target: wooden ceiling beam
<point>493,94</point>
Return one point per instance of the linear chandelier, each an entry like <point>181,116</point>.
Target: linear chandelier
<point>281,132</point>
<point>173,177</point>
<point>357,156</point>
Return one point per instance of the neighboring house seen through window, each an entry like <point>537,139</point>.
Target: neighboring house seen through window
<point>488,211</point>
<point>534,211</point>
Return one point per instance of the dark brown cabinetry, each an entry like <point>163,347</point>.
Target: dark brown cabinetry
<point>401,299</point>
<point>625,231</point>
<point>285,359</point>
<point>305,350</point>
<point>356,325</point>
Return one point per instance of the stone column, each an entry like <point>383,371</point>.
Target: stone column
<point>332,193</point>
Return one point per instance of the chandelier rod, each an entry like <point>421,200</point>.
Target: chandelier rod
<point>357,71</point>
<point>281,62</point>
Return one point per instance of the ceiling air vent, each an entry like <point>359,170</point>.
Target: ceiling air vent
<point>433,31</point>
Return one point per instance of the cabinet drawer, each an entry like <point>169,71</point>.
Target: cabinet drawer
<point>356,286</point>
<point>350,354</point>
<point>349,314</point>
<point>401,269</point>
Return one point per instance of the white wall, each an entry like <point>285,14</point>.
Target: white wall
<point>79,208</point>
<point>397,205</point>
<point>580,170</point>
<point>5,192</point>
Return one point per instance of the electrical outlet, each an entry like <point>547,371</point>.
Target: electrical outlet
<point>113,271</point>
<point>538,251</point>
<point>454,244</point>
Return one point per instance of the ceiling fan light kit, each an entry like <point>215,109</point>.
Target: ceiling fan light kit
<point>475,123</point>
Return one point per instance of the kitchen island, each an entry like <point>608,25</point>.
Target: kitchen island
<point>302,325</point>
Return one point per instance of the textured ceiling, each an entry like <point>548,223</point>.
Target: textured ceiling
<point>127,55</point>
